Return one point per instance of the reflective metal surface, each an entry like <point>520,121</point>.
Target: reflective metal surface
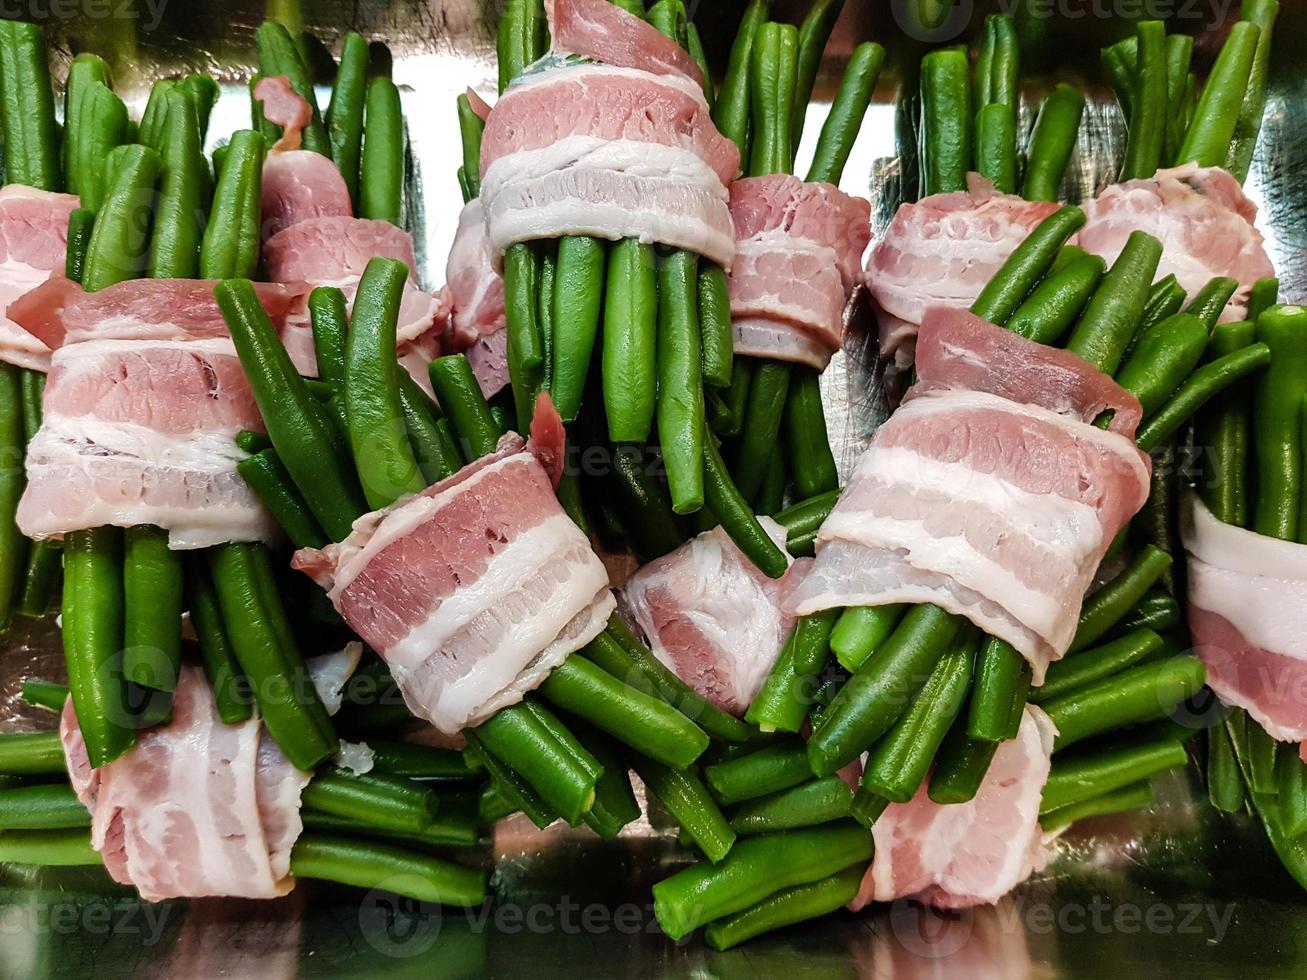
<point>1174,892</point>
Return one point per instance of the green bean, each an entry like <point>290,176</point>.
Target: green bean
<point>464,406</point>
<point>1209,302</point>
<point>1052,142</point>
<point>654,527</point>
<point>458,825</point>
<point>429,434</point>
<point>630,378</point>
<point>92,639</point>
<point>861,630</point>
<point>1110,604</point>
<point>840,130</point>
<point>1277,422</point>
<point>49,848</point>
<point>279,55</point>
<point>81,223</point>
<point>225,679</point>
<point>1225,789</point>
<point>1203,385</point>
<point>344,118</point>
<point>724,499</point>
<point>1143,152</point>
<point>867,807</point>
<point>374,416</point>
<point>1118,62</point>
<point>754,869</point>
<point>577,301</point>
<point>646,723</point>
<point>983,75</point>
<point>783,701</point>
<point>1165,299</point>
<point>684,796</point>
<point>772,82</point>
<point>1005,69</point>
<point>1057,301</point>
<point>47,807</point>
<point>203,91</point>
<point>996,146</point>
<point>768,394</point>
<point>1291,778</point>
<point>175,243</point>
<point>807,445</point>
<point>1135,796</point>
<point>761,773</point>
<point>44,694</point>
<point>806,805</point>
<point>1162,359</point>
<point>729,406</point>
<point>1259,752</point>
<point>152,621</point>
<point>259,634</point>
<point>946,121</point>
<point>418,761</point>
<point>715,332</point>
<point>879,691</point>
<point>536,746</point>
<point>731,113</point>
<point>270,132</point>
<point>1112,316</point>
<point>330,322</point>
<point>1209,137</point>
<point>366,864</point>
<point>803,520</point>
<point>33,753</point>
<point>386,801</point>
<point>523,36</point>
<point>814,33</point>
<point>960,765</point>
<point>1265,294</point>
<point>1001,688</point>
<point>1248,124</point>
<point>1179,54</point>
<point>680,380</point>
<point>512,793</point>
<point>619,652</point>
<point>95,122</point>
<point>27,108</point>
<point>119,240</point>
<point>1087,667</point>
<point>1086,775</point>
<point>1026,266</point>
<point>230,247</point>
<point>615,805</point>
<point>671,20</point>
<point>786,908</point>
<point>812,641</point>
<point>381,180</point>
<point>1140,694</point>
<point>271,482</point>
<point>13,442</point>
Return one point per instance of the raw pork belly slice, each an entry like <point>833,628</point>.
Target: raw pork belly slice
<point>144,400</point>
<point>1248,617</point>
<point>1202,218</point>
<point>985,501</point>
<point>621,149</point>
<point>475,589</point>
<point>222,796</point>
<point>970,853</point>
<point>475,291</point>
<point>297,184</point>
<point>941,251</point>
<point>798,259</point>
<point>34,242</point>
<point>712,617</point>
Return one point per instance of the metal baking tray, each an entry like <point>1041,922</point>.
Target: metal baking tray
<point>1175,891</point>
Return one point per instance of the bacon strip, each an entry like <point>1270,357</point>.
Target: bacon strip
<point>798,260</point>
<point>712,617</point>
<point>1248,618</point>
<point>33,246</point>
<point>600,30</point>
<point>995,508</point>
<point>475,290</point>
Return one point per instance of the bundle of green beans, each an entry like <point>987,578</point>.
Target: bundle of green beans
<point>1169,121</point>
<point>371,830</point>
<point>971,120</point>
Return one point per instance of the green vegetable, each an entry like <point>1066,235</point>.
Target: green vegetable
<point>773,78</point>
<point>1277,422</point>
<point>152,624</point>
<point>370,865</point>
<point>279,55</point>
<point>733,108</point>
<point>1052,142</point>
<point>344,118</point>
<point>806,805</point>
<point>1162,359</point>
<point>1203,385</point>
<point>1026,266</point>
<point>946,124</point>
<point>1148,114</point>
<point>680,380</point>
<point>684,796</point>
<point>577,303</point>
<point>786,908</point>
<point>630,378</point>
<point>842,125</point>
<point>381,181</point>
<point>231,243</point>
<point>1208,139</point>
<point>761,773</point>
<point>861,630</point>
<point>1140,694</point>
<point>814,33</point>
<point>119,244</point>
<point>1248,125</point>
<point>1112,316</point>
<point>183,193</point>
<point>31,144</point>
<point>724,499</point>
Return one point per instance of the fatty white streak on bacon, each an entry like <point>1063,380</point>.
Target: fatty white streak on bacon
<point>144,400</point>
<point>942,251</point>
<point>798,259</point>
<point>33,246</point>
<point>610,151</point>
<point>1202,218</point>
<point>474,589</point>
<point>1248,619</point>
<point>963,854</point>
<point>995,508</point>
<point>475,291</point>
<point>712,617</point>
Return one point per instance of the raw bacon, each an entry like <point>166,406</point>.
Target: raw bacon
<point>33,243</point>
<point>475,292</point>
<point>1248,618</point>
<point>997,509</point>
<point>798,259</point>
<point>1203,220</point>
<point>941,251</point>
<point>144,399</point>
<point>712,617</point>
<point>603,31</point>
<point>970,853</point>
<point>474,589</point>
